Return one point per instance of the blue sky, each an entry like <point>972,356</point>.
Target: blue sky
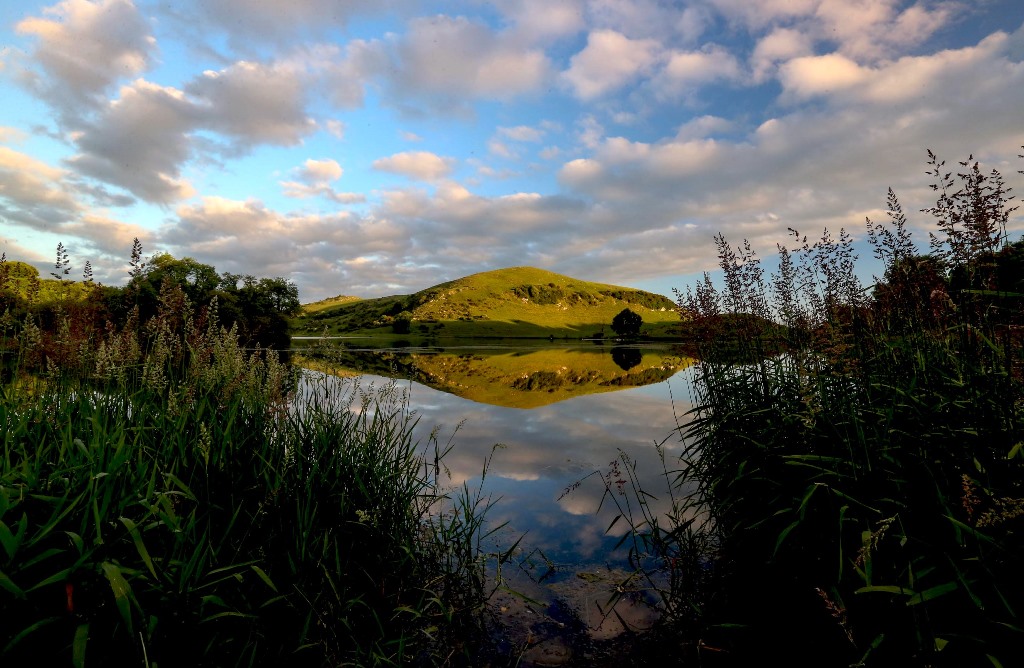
<point>374,147</point>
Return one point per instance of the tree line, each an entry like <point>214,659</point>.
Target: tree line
<point>256,307</point>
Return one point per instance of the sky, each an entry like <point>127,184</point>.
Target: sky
<point>377,147</point>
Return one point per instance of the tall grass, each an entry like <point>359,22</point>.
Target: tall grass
<point>856,467</point>
<point>167,498</point>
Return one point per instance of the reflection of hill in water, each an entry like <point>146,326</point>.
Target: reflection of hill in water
<point>513,379</point>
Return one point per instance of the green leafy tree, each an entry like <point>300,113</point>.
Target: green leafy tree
<point>16,278</point>
<point>259,306</point>
<point>198,280</point>
<point>627,323</point>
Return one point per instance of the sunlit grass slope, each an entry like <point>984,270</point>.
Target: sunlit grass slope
<point>314,307</point>
<point>516,302</point>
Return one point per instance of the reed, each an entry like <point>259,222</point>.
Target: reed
<point>851,488</point>
<point>168,498</point>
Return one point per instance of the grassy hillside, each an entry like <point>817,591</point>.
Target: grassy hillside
<point>313,307</point>
<point>514,302</point>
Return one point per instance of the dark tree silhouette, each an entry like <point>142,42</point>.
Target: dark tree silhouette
<point>627,323</point>
<point>626,358</point>
<point>402,324</point>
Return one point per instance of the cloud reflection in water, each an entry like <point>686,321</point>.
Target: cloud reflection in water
<point>544,451</point>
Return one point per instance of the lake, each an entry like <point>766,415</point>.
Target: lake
<point>554,423</point>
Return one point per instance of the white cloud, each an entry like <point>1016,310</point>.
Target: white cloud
<point>492,173</point>
<point>550,152</point>
<point>314,180</point>
<point>500,149</point>
<point>626,117</point>
<point>139,142</point>
<point>83,47</point>
<point>442,63</point>
<point>107,237</point>
<point>446,54</point>
<point>916,23</point>
<point>936,76</point>
<point>757,15</point>
<point>579,172</point>
<point>781,44</point>
<point>16,251</point>
<point>692,22</point>
<point>439,65</point>
<point>656,19</point>
<point>215,223</point>
<point>320,171</point>
<point>875,29</point>
<point>222,217</point>
<point>34,193</point>
<point>345,77</point>
<point>420,165</point>
<point>543,20</point>
<point>827,167</point>
<point>686,70</point>
<point>11,135</point>
<point>254,102</point>
<point>336,128</point>
<point>467,232</point>
<point>320,252</point>
<point>522,133</point>
<point>590,131</point>
<point>250,22</point>
<point>815,75</point>
<point>850,18</point>
<point>945,77</point>
<point>609,62</point>
<point>40,197</point>
<point>298,190</point>
<point>702,127</point>
<point>864,30</point>
<point>632,205</point>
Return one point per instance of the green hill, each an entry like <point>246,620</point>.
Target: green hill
<point>514,302</point>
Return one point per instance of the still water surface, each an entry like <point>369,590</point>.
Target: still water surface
<point>553,422</point>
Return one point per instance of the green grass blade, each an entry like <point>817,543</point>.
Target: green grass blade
<point>140,546</point>
<point>79,645</point>
<point>121,590</point>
